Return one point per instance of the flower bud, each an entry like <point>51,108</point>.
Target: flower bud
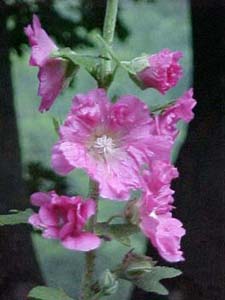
<point>131,212</point>
<point>135,265</point>
<point>162,72</point>
<point>108,283</point>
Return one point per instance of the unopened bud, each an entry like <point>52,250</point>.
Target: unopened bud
<point>108,283</point>
<point>135,265</point>
<point>131,212</point>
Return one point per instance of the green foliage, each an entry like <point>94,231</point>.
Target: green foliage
<point>46,293</point>
<point>87,61</point>
<point>150,281</point>
<point>142,271</point>
<point>67,21</point>
<point>119,232</point>
<point>40,178</point>
<point>16,217</point>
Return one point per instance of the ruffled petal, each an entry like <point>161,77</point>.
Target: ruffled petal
<point>84,241</point>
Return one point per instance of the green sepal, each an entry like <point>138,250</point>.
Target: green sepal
<point>119,232</point>
<point>16,217</point>
<point>160,109</point>
<point>135,265</point>
<point>89,62</point>
<point>46,293</point>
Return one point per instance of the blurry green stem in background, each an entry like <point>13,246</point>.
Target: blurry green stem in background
<point>106,70</point>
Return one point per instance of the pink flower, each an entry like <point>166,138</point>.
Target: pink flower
<point>166,123</point>
<point>165,233</point>
<point>163,72</point>
<point>156,221</point>
<point>64,218</point>
<point>52,71</point>
<point>111,142</point>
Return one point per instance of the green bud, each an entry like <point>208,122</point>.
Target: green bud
<point>131,212</point>
<point>135,265</point>
<point>108,283</point>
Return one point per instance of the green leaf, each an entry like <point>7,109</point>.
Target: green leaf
<point>46,293</point>
<point>87,61</point>
<point>150,281</point>
<point>16,217</point>
<point>119,232</point>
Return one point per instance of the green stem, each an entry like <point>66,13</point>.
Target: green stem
<point>106,70</point>
<point>108,35</point>
<point>90,255</point>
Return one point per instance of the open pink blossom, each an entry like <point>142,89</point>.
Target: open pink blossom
<point>111,142</point>
<point>163,72</point>
<point>52,73</point>
<point>166,123</point>
<point>64,218</point>
<point>156,221</point>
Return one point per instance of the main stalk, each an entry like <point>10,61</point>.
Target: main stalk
<point>108,35</point>
<point>106,70</point>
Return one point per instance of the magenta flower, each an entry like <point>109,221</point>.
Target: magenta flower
<point>163,72</point>
<point>52,71</point>
<point>64,218</point>
<point>156,221</point>
<point>111,142</point>
<point>166,123</point>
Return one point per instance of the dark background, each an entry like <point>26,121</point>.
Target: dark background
<point>197,28</point>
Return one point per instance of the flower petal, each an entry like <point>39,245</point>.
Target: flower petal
<point>84,241</point>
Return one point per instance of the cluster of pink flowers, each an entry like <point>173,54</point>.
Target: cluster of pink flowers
<point>122,146</point>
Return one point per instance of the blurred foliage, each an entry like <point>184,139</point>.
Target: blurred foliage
<point>67,21</point>
<point>40,178</point>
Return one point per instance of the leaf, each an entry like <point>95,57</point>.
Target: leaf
<point>119,232</point>
<point>150,281</point>
<point>46,293</point>
<point>87,61</point>
<point>16,217</point>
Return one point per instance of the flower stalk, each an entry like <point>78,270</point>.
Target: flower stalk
<point>108,35</point>
<point>106,70</point>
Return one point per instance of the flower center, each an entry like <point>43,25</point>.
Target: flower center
<point>104,145</point>
<point>153,214</point>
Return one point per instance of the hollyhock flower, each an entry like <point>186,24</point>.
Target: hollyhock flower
<point>53,73</point>
<point>156,221</point>
<point>163,71</point>
<point>111,142</point>
<point>165,233</point>
<point>166,123</point>
<point>64,218</point>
